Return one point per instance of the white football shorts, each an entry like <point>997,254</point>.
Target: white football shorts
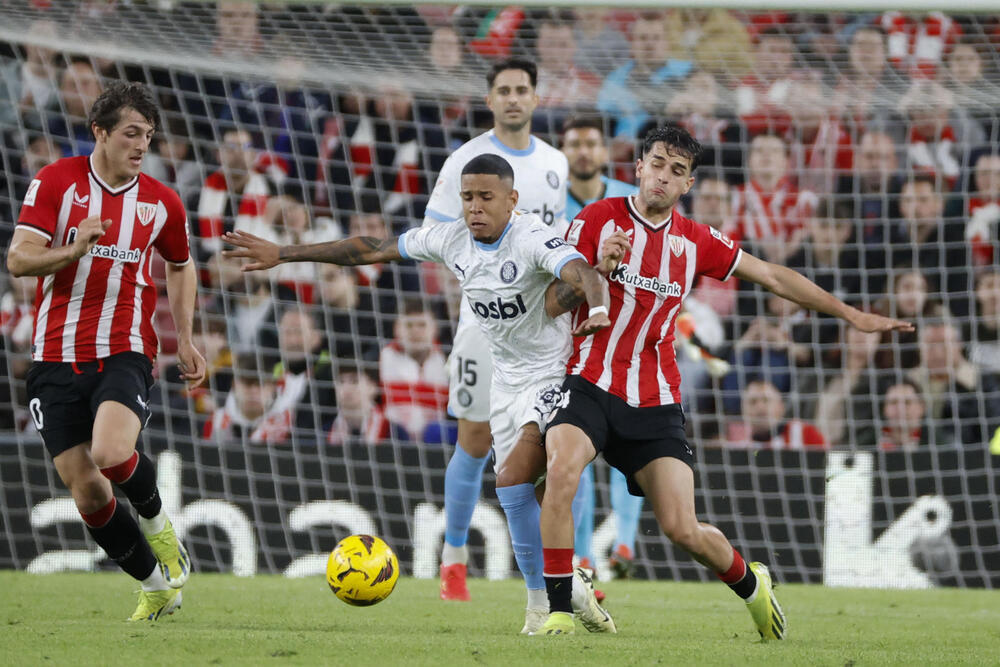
<point>471,368</point>
<point>512,410</point>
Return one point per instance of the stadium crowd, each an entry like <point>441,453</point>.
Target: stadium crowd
<point>861,149</point>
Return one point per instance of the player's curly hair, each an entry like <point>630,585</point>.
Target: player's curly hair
<point>106,112</point>
<point>676,138</point>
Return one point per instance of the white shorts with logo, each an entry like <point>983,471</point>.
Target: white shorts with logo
<point>533,404</point>
<point>471,367</point>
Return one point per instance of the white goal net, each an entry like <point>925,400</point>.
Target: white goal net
<point>861,149</point>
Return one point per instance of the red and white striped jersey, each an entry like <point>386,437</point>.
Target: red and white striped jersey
<point>634,358</point>
<point>103,303</point>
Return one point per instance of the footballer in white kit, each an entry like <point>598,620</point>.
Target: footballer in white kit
<point>504,285</point>
<point>540,176</point>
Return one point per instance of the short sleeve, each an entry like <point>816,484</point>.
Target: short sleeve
<point>426,244</point>
<point>173,243</point>
<point>40,207</point>
<point>551,252</point>
<point>718,255</point>
<point>585,231</point>
<point>445,204</point>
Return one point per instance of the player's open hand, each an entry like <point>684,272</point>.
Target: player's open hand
<point>592,324</point>
<point>613,251</point>
<point>192,365</point>
<point>870,322</point>
<point>262,253</point>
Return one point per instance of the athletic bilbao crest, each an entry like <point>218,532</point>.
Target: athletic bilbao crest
<point>145,212</point>
<point>676,245</point>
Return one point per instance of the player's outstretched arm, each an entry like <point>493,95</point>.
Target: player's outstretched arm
<point>30,254</point>
<point>349,252</point>
<point>584,278</point>
<point>795,287</point>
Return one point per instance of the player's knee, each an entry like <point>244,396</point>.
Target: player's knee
<point>475,438</point>
<point>90,492</point>
<point>682,532</point>
<point>110,451</point>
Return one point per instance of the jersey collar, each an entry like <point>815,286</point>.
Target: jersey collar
<point>100,181</point>
<point>634,212</point>
<point>513,151</point>
<point>496,244</point>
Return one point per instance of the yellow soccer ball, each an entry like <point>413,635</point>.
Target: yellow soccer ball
<point>362,570</point>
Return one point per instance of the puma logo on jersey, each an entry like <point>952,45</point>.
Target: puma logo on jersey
<point>80,201</point>
<point>460,270</point>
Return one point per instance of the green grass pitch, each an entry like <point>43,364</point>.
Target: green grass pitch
<point>268,620</point>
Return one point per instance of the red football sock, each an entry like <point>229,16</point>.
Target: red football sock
<point>101,516</point>
<point>121,472</point>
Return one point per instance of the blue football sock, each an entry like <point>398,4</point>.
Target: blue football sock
<point>522,510</point>
<point>627,508</point>
<point>583,515</point>
<point>463,480</point>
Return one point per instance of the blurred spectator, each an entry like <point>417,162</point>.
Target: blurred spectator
<point>829,257</point>
<point>210,338</point>
<point>414,376</point>
<point>351,330</point>
<point>562,84</point>
<point>447,60</point>
<point>875,184</point>
<point>303,355</point>
<point>820,146</point>
<point>699,108</point>
<point>868,89</point>
<point>910,300</point>
<point>917,46</point>
<point>763,424</point>
<point>770,210</point>
<point>636,90</point>
<point>381,286</point>
<point>931,143</point>
<point>938,246</point>
<point>17,318</point>
<point>845,409</point>
<point>237,34</point>
<point>771,347</point>
<point>40,151</point>
<point>972,91</point>
<point>962,401</point>
<point>79,88</point>
<point>983,209</point>
<point>359,417</point>
<point>235,196</point>
<point>711,204</point>
<point>904,427</point>
<point>601,48</point>
<point>172,161</point>
<point>984,328</point>
<point>27,87</point>
<point>256,410</point>
<point>762,96</point>
<point>287,222</point>
<point>247,300</point>
<point>719,42</point>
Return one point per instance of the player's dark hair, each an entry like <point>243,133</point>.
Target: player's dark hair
<point>118,95</point>
<point>676,139</point>
<point>522,64</point>
<point>490,163</point>
<point>583,122</point>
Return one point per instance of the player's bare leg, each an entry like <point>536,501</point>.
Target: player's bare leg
<point>116,430</point>
<point>463,481</point>
<point>568,450</point>
<point>668,483</point>
<point>114,529</point>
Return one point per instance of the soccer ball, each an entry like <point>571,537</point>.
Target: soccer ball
<point>362,570</point>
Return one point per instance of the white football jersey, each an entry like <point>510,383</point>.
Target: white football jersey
<point>540,175</point>
<point>504,283</point>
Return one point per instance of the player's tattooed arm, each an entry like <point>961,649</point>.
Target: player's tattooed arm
<point>583,280</point>
<point>562,298</point>
<point>349,252</point>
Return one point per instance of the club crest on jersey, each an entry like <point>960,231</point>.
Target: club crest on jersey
<point>553,179</point>
<point>508,272</point>
<point>145,212</point>
<point>676,245</point>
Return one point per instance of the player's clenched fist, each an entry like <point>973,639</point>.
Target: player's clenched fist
<point>613,251</point>
<point>88,233</point>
